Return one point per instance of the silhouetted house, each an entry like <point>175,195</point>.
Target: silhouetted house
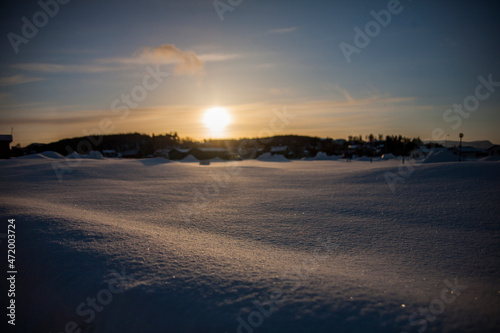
<point>469,152</point>
<point>494,150</point>
<point>210,153</point>
<point>162,153</point>
<point>5,141</point>
<point>246,153</point>
<point>340,142</point>
<point>109,153</point>
<point>178,154</point>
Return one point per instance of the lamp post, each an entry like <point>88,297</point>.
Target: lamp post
<point>404,150</point>
<point>461,135</point>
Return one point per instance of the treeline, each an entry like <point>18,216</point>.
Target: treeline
<point>144,145</point>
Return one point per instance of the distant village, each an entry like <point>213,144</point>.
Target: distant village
<point>171,147</point>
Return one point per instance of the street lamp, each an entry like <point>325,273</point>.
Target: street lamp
<point>461,135</point>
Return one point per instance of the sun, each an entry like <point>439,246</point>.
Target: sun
<point>216,119</point>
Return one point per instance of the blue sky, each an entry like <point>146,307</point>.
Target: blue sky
<point>264,57</point>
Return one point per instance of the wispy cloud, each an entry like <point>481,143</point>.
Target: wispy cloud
<point>345,93</point>
<point>55,68</point>
<point>17,79</point>
<point>282,30</point>
<point>55,120</point>
<point>213,57</point>
<point>152,55</point>
<point>187,62</point>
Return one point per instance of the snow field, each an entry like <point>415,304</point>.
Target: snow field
<point>303,246</point>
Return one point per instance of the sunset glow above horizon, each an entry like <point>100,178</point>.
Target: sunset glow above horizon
<point>340,68</point>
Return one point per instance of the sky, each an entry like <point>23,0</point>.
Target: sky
<point>428,69</point>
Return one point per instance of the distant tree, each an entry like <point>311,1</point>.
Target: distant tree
<point>371,137</point>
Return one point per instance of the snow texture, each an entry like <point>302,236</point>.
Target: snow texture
<point>305,246</point>
<point>44,155</point>
<point>440,156</point>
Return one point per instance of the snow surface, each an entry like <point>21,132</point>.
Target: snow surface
<point>206,249</point>
<point>44,155</point>
<point>440,156</point>
<point>491,158</point>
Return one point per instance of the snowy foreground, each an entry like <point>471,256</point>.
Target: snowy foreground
<point>253,246</point>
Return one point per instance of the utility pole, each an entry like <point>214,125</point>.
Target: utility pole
<point>461,135</point>
<point>404,150</point>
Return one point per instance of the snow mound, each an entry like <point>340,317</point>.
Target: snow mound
<point>32,157</point>
<point>153,161</point>
<point>44,155</point>
<point>94,155</point>
<point>51,154</point>
<point>491,158</point>
<point>189,159</point>
<point>321,156</point>
<point>267,157</point>
<point>363,159</point>
<point>440,156</point>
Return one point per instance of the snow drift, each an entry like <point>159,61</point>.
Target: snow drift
<point>321,156</point>
<point>189,159</point>
<point>44,155</point>
<point>440,156</point>
<point>95,155</point>
<point>126,246</point>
